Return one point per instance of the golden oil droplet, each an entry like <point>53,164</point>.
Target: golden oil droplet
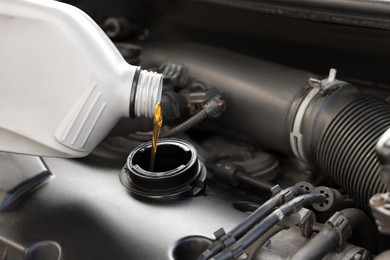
<point>157,123</point>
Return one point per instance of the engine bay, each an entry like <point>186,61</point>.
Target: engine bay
<point>274,145</point>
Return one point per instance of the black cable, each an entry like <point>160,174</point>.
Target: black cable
<point>269,234</point>
<point>275,201</point>
<point>212,109</point>
<point>237,232</point>
<point>188,124</point>
<point>191,122</point>
<point>266,224</point>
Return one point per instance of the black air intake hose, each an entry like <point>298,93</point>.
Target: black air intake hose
<point>347,149</point>
<point>340,125</point>
<point>340,129</point>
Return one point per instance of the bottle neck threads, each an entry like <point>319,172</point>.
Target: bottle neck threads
<point>145,93</point>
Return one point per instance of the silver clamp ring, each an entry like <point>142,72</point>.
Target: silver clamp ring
<point>296,135</point>
<point>296,138</point>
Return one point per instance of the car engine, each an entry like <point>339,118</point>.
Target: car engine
<point>275,141</point>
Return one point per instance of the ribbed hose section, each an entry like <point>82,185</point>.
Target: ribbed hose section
<point>347,149</point>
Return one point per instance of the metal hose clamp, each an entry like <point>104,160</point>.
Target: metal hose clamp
<point>296,137</point>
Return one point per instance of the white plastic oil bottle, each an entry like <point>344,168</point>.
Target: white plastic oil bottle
<point>63,84</point>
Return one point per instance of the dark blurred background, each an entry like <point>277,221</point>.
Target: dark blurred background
<point>352,38</point>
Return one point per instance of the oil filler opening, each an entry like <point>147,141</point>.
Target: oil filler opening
<point>178,172</point>
<point>168,158</point>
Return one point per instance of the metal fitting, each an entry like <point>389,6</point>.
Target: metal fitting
<point>380,206</point>
<point>340,223</point>
<point>317,86</point>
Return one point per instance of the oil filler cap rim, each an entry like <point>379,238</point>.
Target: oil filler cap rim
<point>178,171</point>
